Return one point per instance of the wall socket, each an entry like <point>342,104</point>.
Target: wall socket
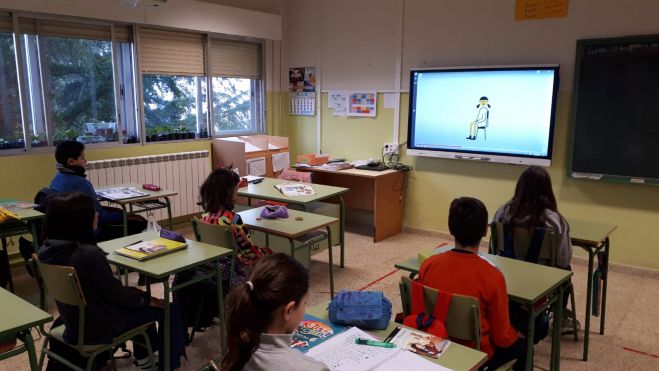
<point>390,148</point>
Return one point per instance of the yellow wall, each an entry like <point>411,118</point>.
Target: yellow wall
<point>24,175</point>
<point>435,182</point>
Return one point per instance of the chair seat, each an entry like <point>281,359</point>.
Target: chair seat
<point>58,333</point>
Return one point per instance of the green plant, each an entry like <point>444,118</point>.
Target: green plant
<point>65,134</point>
<point>152,131</point>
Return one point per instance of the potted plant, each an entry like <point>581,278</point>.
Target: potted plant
<point>152,134</point>
<point>203,133</point>
<point>38,140</point>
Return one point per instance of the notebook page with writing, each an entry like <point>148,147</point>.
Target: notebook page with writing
<point>340,353</point>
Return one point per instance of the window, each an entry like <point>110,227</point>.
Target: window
<point>173,85</point>
<point>80,89</point>
<point>78,81</point>
<point>11,128</point>
<point>237,87</point>
<point>174,107</point>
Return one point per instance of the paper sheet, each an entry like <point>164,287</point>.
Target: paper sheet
<point>256,166</point>
<point>390,100</point>
<point>280,161</point>
<point>340,353</point>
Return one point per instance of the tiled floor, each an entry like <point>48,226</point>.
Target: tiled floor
<point>631,340</point>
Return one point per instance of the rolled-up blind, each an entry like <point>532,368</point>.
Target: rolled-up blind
<point>232,58</point>
<point>171,52</point>
<point>123,33</point>
<point>5,22</point>
<point>74,30</point>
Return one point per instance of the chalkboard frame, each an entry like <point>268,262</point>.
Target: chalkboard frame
<point>615,178</point>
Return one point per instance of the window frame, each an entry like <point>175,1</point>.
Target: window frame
<point>36,107</point>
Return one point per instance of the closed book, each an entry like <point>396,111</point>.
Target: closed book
<point>145,250</point>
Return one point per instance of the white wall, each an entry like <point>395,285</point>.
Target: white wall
<point>185,14</point>
<point>359,48</point>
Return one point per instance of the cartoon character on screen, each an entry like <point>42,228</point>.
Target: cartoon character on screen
<point>482,119</point>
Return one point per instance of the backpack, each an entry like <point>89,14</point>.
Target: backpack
<point>42,198</point>
<point>434,323</point>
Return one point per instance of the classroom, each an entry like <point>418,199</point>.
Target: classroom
<point>225,54</point>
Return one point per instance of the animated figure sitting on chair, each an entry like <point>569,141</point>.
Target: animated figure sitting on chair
<point>482,119</point>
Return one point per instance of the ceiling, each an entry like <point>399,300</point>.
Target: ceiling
<point>267,6</point>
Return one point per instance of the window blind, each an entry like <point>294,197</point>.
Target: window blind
<point>5,22</point>
<point>232,58</point>
<point>171,52</point>
<point>123,33</point>
<point>64,29</point>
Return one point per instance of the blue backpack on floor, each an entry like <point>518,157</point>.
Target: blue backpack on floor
<point>364,309</point>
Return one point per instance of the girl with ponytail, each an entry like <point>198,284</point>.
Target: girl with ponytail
<point>262,315</point>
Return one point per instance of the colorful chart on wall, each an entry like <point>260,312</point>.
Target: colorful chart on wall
<point>362,104</point>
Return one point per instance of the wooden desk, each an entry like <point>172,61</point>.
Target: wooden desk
<point>456,356</point>
<point>27,224</point>
<point>594,238</point>
<point>145,203</point>
<point>527,284</point>
<point>17,319</point>
<point>291,228</point>
<point>160,268</point>
<point>378,191</point>
<point>266,191</point>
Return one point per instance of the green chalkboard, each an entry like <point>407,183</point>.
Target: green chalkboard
<point>615,110</point>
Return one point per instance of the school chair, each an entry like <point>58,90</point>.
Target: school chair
<point>62,284</point>
<point>534,245</point>
<point>463,320</point>
<point>217,235</point>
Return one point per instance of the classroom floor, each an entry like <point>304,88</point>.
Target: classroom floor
<point>631,340</point>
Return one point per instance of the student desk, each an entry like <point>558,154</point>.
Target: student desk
<point>17,319</point>
<point>378,191</point>
<point>161,267</point>
<point>291,228</point>
<point>266,191</point>
<point>456,356</point>
<point>594,238</point>
<point>528,284</point>
<point>152,201</point>
<point>27,224</point>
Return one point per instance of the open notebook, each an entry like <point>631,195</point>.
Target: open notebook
<point>340,353</point>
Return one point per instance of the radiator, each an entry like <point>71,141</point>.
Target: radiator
<point>179,172</point>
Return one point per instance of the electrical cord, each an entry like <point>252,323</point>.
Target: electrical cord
<point>392,159</point>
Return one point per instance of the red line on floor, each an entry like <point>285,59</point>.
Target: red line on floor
<point>379,279</point>
<point>641,352</point>
<point>390,273</point>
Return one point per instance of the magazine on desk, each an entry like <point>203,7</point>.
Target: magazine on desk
<point>418,342</point>
<point>145,250</point>
<point>340,353</point>
<point>295,189</point>
<point>120,193</point>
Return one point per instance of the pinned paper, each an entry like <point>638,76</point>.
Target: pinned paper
<point>540,9</point>
<point>256,166</point>
<point>280,161</point>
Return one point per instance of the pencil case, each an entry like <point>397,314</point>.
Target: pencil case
<point>364,309</point>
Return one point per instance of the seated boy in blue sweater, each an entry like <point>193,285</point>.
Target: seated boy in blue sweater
<point>70,177</point>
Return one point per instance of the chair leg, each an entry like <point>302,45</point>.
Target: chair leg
<point>574,312</point>
<point>42,358</point>
<point>198,315</point>
<point>147,343</point>
<point>90,362</point>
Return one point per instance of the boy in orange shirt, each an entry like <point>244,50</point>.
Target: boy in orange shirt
<point>462,271</point>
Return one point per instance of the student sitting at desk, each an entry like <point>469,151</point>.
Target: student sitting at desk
<point>262,315</point>
<point>110,308</point>
<point>217,197</point>
<point>71,177</point>
<point>534,205</point>
<point>462,271</point>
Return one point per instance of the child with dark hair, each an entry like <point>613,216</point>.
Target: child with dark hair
<point>534,206</point>
<point>463,271</point>
<point>262,315</point>
<point>217,196</point>
<point>71,177</point>
<point>111,308</point>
